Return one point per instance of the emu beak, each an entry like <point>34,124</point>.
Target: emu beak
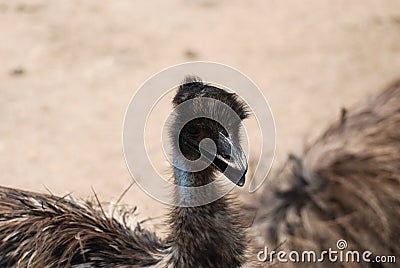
<point>231,161</point>
<point>234,164</point>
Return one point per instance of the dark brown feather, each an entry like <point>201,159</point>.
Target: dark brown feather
<point>39,230</point>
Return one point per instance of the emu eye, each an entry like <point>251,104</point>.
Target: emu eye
<point>224,155</point>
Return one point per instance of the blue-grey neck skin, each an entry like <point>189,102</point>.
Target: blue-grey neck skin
<point>182,177</point>
<point>186,179</point>
<point>191,192</point>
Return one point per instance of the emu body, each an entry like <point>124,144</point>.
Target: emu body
<point>346,185</point>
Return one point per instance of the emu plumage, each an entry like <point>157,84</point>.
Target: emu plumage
<point>346,185</point>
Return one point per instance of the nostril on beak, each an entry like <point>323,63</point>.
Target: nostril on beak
<point>242,180</point>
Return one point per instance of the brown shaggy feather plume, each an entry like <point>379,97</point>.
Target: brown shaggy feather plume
<point>39,230</point>
<point>345,186</point>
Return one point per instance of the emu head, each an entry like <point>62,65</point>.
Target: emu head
<point>212,114</point>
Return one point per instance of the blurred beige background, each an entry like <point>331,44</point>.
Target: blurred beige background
<point>69,68</point>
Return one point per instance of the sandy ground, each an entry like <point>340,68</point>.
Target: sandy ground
<point>69,68</point>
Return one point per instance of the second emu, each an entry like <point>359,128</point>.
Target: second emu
<point>345,186</point>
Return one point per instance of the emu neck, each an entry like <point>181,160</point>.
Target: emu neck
<point>193,179</point>
<point>211,235</point>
